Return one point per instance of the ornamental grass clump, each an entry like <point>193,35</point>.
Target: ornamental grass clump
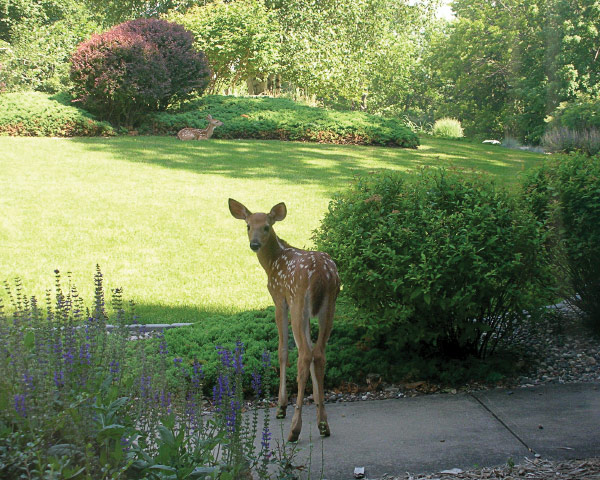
<point>441,262</point>
<point>79,399</point>
<point>448,128</point>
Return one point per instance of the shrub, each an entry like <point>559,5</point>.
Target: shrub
<point>565,139</point>
<point>447,127</point>
<point>37,114</point>
<point>283,119</point>
<point>137,67</point>
<point>564,193</point>
<point>580,114</point>
<point>440,262</point>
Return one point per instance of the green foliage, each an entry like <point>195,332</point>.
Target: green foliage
<point>40,45</point>
<point>503,66</point>
<point>37,114</point>
<point>447,127</point>
<point>440,262</point>
<point>257,330</point>
<point>564,193</point>
<point>283,119</point>
<point>580,114</point>
<point>240,39</point>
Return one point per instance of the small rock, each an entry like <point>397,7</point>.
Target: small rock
<point>452,471</point>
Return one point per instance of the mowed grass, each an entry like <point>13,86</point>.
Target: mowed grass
<point>152,211</point>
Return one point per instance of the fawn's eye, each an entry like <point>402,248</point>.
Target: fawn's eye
<point>266,229</point>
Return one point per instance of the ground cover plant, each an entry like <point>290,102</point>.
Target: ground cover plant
<point>284,119</point>
<point>153,210</point>
<point>36,114</point>
<point>80,402</point>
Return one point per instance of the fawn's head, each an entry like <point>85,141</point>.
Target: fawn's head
<point>259,224</point>
<point>214,121</point>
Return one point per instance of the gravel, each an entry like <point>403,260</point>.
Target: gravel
<point>530,469</point>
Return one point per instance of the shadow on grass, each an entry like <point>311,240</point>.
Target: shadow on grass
<point>324,165</point>
<point>156,313</point>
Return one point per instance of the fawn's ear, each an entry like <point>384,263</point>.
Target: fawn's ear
<point>238,210</point>
<point>209,117</point>
<point>278,212</point>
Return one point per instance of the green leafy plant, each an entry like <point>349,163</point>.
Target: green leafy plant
<point>66,397</point>
<point>564,193</point>
<point>442,262</point>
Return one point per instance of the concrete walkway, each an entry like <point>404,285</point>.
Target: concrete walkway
<point>440,432</point>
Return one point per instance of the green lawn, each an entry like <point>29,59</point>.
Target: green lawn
<point>152,211</point>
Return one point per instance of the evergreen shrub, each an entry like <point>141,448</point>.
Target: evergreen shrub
<point>38,114</point>
<point>284,119</point>
<point>137,67</point>
<point>564,193</point>
<point>441,262</point>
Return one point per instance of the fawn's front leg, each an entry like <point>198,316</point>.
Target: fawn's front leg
<point>281,317</point>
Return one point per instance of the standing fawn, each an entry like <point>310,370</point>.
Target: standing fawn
<point>199,134</point>
<point>305,284</point>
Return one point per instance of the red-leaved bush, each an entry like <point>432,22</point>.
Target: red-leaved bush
<point>137,67</point>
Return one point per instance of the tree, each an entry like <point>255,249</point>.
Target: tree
<point>506,64</point>
<point>240,40</point>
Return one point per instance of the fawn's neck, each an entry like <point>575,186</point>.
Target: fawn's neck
<point>269,253</point>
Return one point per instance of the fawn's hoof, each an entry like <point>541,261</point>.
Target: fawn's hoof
<point>280,412</point>
<point>293,437</point>
<point>324,429</point>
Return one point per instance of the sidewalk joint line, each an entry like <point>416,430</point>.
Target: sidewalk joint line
<point>514,434</point>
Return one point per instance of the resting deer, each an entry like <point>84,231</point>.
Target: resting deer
<point>199,134</point>
<point>305,284</point>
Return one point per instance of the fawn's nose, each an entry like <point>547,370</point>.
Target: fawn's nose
<point>254,245</point>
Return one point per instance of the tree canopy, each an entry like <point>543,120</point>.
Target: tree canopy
<point>502,67</point>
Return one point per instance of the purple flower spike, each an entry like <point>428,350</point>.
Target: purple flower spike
<point>266,359</point>
<point>20,405</point>
<point>59,379</point>
<point>256,383</point>
<point>266,438</point>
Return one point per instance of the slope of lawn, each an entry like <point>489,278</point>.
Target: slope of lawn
<point>152,211</point>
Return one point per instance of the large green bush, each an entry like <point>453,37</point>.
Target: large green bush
<point>443,262</point>
<point>564,193</point>
<point>283,119</point>
<point>37,114</point>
